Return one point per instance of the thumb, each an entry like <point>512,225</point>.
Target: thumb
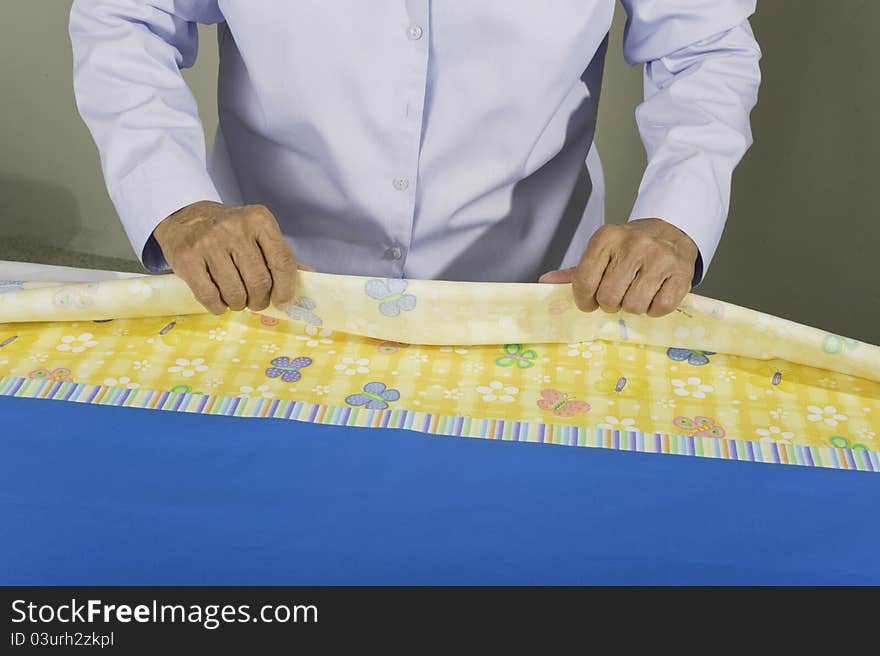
<point>558,277</point>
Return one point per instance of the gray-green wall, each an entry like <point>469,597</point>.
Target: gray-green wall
<point>802,240</point>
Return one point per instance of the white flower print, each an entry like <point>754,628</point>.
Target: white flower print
<point>362,327</point>
<point>779,414</point>
<point>314,341</point>
<point>216,334</point>
<point>726,375</point>
<point>141,365</point>
<point>452,393</point>
<point>866,434</point>
<point>321,390</point>
<point>318,331</point>
<point>827,382</point>
<point>316,336</point>
<point>775,434</point>
<point>247,392</point>
<point>139,288</point>
<point>515,311</point>
<point>4,361</point>
<point>351,366</point>
<point>215,382</point>
<point>77,344</point>
<point>122,381</point>
<point>187,368</point>
<point>453,349</point>
<point>419,357</point>
<point>270,348</point>
<point>584,349</point>
<point>684,333</point>
<point>497,391</point>
<point>666,403</point>
<point>39,357</point>
<point>542,379</point>
<point>772,326</point>
<point>613,423</point>
<point>693,386</point>
<point>119,332</point>
<point>828,415</point>
<point>473,367</point>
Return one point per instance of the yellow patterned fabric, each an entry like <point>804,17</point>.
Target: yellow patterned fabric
<point>505,352</point>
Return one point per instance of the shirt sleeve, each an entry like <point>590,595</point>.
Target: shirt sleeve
<point>127,58</point>
<point>701,82</point>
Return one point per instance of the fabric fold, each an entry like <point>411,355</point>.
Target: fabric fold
<point>463,313</point>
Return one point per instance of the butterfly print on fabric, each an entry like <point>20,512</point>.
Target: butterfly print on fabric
<point>702,426</point>
<point>61,373</point>
<point>692,356</point>
<point>302,309</point>
<point>391,294</point>
<point>517,355</point>
<point>287,369</point>
<point>561,404</point>
<point>375,396</point>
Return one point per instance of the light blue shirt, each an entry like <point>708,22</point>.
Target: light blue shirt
<point>416,138</point>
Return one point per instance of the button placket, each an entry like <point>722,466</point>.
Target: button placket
<point>418,33</point>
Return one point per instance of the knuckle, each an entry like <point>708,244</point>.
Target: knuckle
<point>212,302</point>
<point>668,261</point>
<point>260,281</point>
<point>584,296</point>
<point>642,242</point>
<point>660,310</point>
<point>606,297</point>
<point>633,307</point>
<point>284,261</point>
<point>259,213</point>
<point>584,303</point>
<point>282,295</point>
<point>685,272</point>
<point>606,231</point>
<point>236,298</point>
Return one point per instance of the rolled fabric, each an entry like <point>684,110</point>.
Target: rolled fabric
<point>434,312</point>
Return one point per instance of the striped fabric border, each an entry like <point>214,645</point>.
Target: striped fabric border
<point>517,431</point>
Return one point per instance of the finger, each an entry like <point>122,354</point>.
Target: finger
<point>616,280</point>
<point>202,286</point>
<point>558,277</point>
<point>228,281</point>
<point>255,275</point>
<point>282,265</point>
<point>590,270</point>
<point>641,292</point>
<point>669,296</point>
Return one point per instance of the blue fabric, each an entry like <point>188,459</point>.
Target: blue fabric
<point>105,495</point>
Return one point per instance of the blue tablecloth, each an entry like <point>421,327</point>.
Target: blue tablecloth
<point>111,496</point>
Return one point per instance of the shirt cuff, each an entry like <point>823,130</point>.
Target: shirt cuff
<point>153,191</point>
<point>692,206</point>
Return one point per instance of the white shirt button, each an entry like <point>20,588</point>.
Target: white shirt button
<point>394,253</point>
<point>401,184</point>
<point>414,33</point>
